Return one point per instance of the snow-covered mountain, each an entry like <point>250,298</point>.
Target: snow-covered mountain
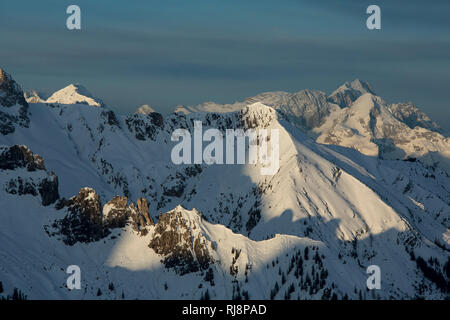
<point>354,116</point>
<point>306,109</point>
<point>74,94</point>
<point>142,227</point>
<point>144,109</point>
<point>370,127</point>
<point>349,92</point>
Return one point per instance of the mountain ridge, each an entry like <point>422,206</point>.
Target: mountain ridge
<point>309,231</point>
<point>74,94</point>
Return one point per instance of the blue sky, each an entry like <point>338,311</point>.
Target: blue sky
<point>166,53</point>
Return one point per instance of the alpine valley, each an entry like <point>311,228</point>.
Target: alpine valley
<point>360,182</point>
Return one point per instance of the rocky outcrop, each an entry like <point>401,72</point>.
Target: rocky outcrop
<point>145,126</point>
<point>117,213</point>
<point>306,109</point>
<point>256,115</point>
<point>36,180</point>
<point>48,189</point>
<point>110,118</point>
<point>83,222</point>
<point>10,92</point>
<point>19,156</point>
<point>349,92</point>
<point>32,96</point>
<point>87,221</point>
<point>410,115</point>
<point>13,106</point>
<point>143,209</point>
<point>178,238</point>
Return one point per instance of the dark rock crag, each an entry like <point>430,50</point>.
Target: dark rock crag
<point>13,106</point>
<point>181,243</point>
<point>88,221</point>
<point>36,180</point>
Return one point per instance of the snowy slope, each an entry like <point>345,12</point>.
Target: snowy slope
<point>345,118</point>
<point>222,230</point>
<point>369,126</point>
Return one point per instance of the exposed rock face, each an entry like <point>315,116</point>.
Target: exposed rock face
<point>144,126</point>
<point>32,96</point>
<point>88,204</point>
<point>143,209</point>
<point>21,186</point>
<point>307,109</point>
<point>179,239</point>
<point>110,118</point>
<point>257,115</point>
<point>115,212</point>
<point>13,106</point>
<point>409,114</point>
<point>37,181</point>
<point>84,222</point>
<point>349,92</point>
<point>48,189</point>
<point>87,221</point>
<point>10,92</point>
<point>20,157</point>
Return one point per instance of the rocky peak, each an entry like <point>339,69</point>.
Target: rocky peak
<point>75,94</point>
<point>145,126</point>
<point>257,115</point>
<point>179,239</point>
<point>87,221</point>
<point>87,203</point>
<point>115,212</point>
<point>13,106</point>
<point>349,92</point>
<point>83,221</point>
<point>10,92</point>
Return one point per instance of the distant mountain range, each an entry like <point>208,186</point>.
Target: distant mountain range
<point>360,183</point>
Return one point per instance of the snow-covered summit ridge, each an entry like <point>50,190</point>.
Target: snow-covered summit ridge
<point>369,126</point>
<point>359,210</point>
<point>73,94</point>
<point>144,109</point>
